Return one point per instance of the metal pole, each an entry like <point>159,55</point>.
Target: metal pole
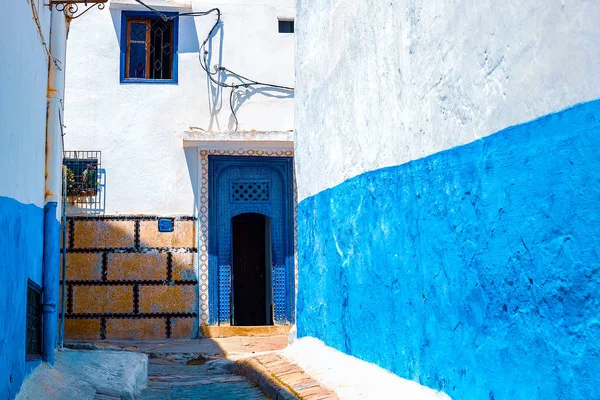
<point>64,260</point>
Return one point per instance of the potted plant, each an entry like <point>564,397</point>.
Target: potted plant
<point>72,189</point>
<point>90,180</point>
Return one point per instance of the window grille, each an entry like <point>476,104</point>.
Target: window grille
<point>249,191</point>
<point>150,51</point>
<point>34,322</point>
<point>84,180</point>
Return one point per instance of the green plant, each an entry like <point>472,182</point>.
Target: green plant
<point>89,177</point>
<point>71,185</point>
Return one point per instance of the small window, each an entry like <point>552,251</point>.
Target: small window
<point>149,50</point>
<point>34,322</point>
<point>82,172</point>
<point>84,179</point>
<point>286,26</point>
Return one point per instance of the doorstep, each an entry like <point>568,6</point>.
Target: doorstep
<point>229,331</point>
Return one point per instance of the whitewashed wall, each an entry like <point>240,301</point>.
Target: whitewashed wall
<point>24,72</point>
<point>380,83</point>
<point>139,127</point>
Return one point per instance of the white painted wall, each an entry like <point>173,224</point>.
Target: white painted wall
<point>24,74</point>
<point>380,83</point>
<point>139,127</point>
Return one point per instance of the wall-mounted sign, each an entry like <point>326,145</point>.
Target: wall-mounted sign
<point>165,224</point>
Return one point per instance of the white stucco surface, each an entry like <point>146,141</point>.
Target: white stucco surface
<point>140,127</point>
<point>380,83</point>
<point>352,378</point>
<point>24,72</point>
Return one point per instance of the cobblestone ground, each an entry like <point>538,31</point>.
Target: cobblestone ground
<point>173,380</point>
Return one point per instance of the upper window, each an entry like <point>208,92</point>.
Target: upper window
<point>286,26</point>
<point>148,48</point>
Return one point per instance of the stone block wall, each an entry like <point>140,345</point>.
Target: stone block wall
<point>127,280</point>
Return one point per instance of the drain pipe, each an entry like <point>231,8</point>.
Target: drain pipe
<point>53,185</point>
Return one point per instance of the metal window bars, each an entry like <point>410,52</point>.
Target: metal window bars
<point>84,182</point>
<point>149,49</point>
<point>33,341</point>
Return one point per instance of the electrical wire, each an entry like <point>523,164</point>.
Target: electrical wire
<point>213,74</point>
<point>36,18</point>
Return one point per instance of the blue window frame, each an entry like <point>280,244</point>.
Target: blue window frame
<point>148,48</point>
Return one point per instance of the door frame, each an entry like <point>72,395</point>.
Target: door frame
<point>283,165</point>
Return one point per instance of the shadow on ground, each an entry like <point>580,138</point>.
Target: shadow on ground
<point>198,369</point>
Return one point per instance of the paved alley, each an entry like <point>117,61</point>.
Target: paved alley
<point>176,380</point>
<point>195,369</point>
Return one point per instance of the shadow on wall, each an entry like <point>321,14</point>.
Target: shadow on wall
<point>240,95</point>
<point>189,42</point>
<point>193,166</point>
<point>188,36</point>
<point>215,92</point>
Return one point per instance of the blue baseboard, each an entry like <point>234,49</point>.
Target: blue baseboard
<point>21,243</point>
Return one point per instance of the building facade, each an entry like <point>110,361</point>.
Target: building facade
<point>447,167</point>
<point>190,175</point>
<point>32,66</point>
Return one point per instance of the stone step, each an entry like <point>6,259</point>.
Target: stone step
<point>230,331</point>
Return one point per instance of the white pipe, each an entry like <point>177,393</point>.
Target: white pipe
<point>56,89</point>
<point>53,183</point>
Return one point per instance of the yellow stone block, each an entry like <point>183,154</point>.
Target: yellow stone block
<point>137,266</point>
<point>184,267</point>
<point>82,329</point>
<point>183,235</point>
<point>141,329</point>
<point>102,299</point>
<point>168,298</point>
<point>84,266</point>
<point>104,234</point>
<point>183,328</point>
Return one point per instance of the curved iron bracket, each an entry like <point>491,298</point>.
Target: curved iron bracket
<point>71,7</point>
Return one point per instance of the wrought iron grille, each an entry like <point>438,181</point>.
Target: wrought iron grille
<point>249,191</point>
<point>149,49</point>
<point>34,321</point>
<point>84,181</point>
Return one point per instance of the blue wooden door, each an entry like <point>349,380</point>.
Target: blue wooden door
<point>262,185</point>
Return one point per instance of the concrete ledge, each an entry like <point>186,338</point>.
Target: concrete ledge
<point>83,374</point>
<point>229,331</point>
<point>263,140</point>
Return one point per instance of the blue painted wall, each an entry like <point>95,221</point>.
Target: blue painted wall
<point>475,271</point>
<point>21,246</point>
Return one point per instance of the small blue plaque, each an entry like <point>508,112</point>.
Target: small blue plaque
<point>165,225</point>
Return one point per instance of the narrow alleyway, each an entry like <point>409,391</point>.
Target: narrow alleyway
<point>176,380</point>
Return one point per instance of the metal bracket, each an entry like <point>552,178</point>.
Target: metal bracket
<point>71,7</point>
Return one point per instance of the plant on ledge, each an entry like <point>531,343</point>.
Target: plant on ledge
<point>85,184</point>
<point>90,180</point>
